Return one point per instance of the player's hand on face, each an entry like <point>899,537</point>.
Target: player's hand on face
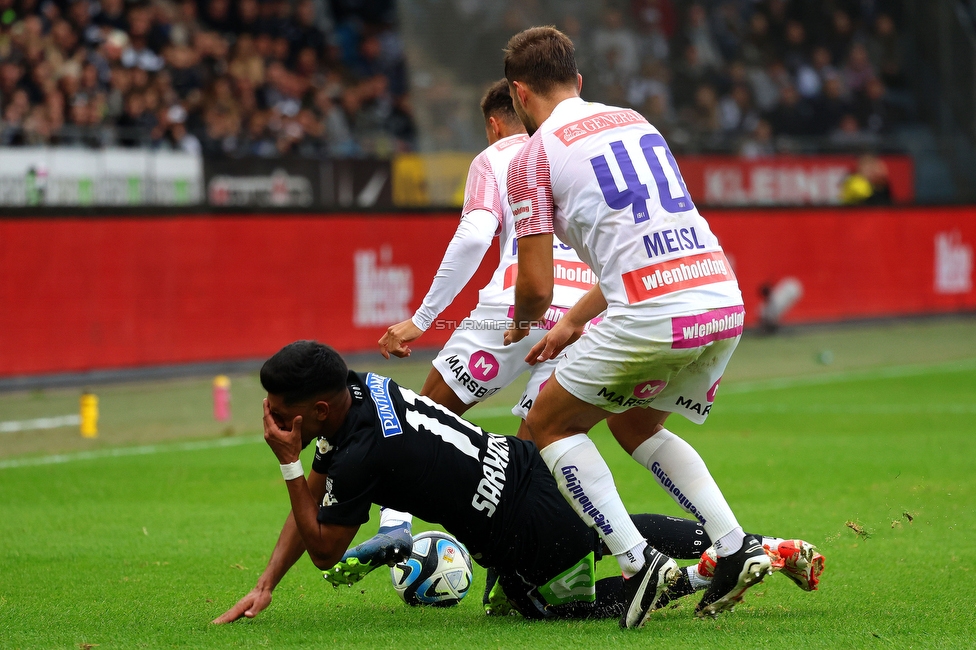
<point>249,606</point>
<point>286,445</point>
<point>396,338</point>
<point>515,334</point>
<point>553,343</point>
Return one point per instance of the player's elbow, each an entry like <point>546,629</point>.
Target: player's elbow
<point>536,294</point>
<point>533,286</point>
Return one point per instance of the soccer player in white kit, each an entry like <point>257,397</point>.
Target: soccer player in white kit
<point>604,181</point>
<point>475,364</point>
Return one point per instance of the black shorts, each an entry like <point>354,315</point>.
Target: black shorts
<point>547,538</point>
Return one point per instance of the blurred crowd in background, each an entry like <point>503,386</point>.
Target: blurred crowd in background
<point>324,78</point>
<point>234,78</point>
<point>737,76</point>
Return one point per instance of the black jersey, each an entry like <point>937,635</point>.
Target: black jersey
<point>401,450</point>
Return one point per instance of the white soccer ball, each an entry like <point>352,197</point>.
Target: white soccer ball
<point>438,571</point>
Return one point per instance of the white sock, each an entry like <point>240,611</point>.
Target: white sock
<point>730,542</point>
<point>394,518</point>
<point>698,581</point>
<point>632,560</point>
<point>585,480</point>
<point>682,473</point>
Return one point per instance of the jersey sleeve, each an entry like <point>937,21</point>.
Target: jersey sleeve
<point>530,190</point>
<point>481,189</point>
<point>461,260</point>
<point>349,491</point>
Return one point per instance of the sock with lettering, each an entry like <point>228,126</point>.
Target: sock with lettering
<point>585,480</point>
<point>682,473</point>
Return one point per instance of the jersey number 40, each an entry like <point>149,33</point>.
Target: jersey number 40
<point>670,186</point>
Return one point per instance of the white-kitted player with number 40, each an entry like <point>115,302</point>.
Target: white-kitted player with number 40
<point>604,181</point>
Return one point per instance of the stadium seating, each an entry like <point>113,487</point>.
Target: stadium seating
<point>250,78</point>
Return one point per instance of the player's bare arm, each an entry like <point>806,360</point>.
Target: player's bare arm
<point>286,553</point>
<point>569,328</point>
<point>396,338</point>
<point>533,287</point>
<point>325,543</point>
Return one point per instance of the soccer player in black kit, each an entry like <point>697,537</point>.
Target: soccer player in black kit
<point>378,442</point>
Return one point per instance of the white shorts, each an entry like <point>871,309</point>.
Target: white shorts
<point>672,363</point>
<point>476,364</point>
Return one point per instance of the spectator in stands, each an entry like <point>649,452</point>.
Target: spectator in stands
<point>703,117</point>
<point>840,36</point>
<point>217,17</point>
<point>849,136</point>
<point>653,80</point>
<point>136,121</point>
<point>616,46</point>
<point>737,115</point>
<point>248,18</point>
<point>884,51</point>
<point>872,109</point>
<point>689,74</point>
<point>760,142</point>
<point>177,136</point>
<point>698,32</point>
<point>830,106</point>
<point>759,48</point>
<point>858,70</point>
<point>793,116</point>
<point>868,184</point>
<point>656,22</point>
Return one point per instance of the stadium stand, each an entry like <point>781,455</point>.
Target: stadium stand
<point>260,78</point>
<point>716,76</point>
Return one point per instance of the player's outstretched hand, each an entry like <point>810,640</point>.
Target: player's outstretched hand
<point>286,445</point>
<point>396,338</point>
<point>249,606</point>
<point>554,342</point>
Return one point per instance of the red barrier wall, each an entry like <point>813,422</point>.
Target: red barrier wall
<point>81,294</point>
<point>854,263</point>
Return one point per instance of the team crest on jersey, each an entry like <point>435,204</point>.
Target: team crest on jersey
<point>379,388</point>
<point>324,446</point>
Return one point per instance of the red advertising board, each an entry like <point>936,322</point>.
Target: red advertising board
<point>853,263</point>
<point>783,180</point>
<point>83,294</point>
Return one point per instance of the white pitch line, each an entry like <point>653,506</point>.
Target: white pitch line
<point>12,426</point>
<point>496,411</point>
<point>117,452</point>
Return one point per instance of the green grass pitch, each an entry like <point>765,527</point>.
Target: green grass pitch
<point>140,538</point>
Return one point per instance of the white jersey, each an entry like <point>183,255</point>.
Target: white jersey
<point>603,180</point>
<point>487,189</point>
